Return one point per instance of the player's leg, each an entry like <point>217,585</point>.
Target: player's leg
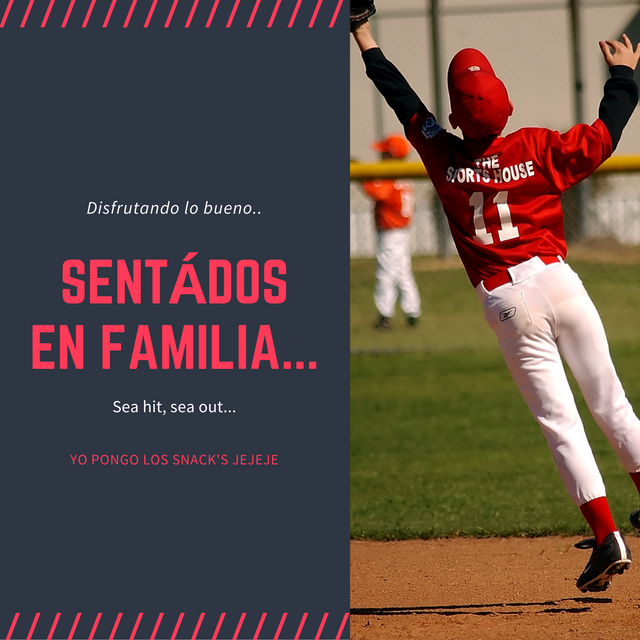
<point>524,324</point>
<point>409,294</point>
<point>385,293</point>
<point>584,346</point>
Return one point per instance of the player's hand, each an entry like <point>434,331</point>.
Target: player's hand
<point>363,37</point>
<point>623,52</point>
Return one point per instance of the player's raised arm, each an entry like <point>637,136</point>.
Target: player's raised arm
<point>621,90</point>
<point>388,80</point>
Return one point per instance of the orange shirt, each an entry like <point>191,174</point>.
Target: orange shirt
<point>395,202</point>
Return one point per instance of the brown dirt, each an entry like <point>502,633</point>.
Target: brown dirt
<point>467,589</point>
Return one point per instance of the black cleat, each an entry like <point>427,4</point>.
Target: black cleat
<point>634,519</point>
<point>412,321</point>
<point>610,558</point>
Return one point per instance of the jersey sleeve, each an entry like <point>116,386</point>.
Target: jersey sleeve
<point>568,158</point>
<point>619,101</point>
<point>392,85</point>
<point>378,190</point>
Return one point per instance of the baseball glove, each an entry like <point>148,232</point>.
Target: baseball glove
<point>360,11</point>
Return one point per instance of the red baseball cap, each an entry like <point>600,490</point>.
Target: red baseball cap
<point>479,100</point>
<point>397,146</point>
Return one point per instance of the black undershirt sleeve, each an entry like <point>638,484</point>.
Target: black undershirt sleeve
<point>392,85</point>
<point>619,101</point>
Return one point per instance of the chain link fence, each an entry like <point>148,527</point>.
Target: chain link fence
<point>530,47</point>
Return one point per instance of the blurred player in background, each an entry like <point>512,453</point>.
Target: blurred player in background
<point>501,196</point>
<point>393,211</point>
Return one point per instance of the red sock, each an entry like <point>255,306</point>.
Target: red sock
<point>636,480</point>
<point>598,516</point>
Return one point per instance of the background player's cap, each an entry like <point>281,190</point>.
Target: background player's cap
<point>479,100</point>
<point>397,146</point>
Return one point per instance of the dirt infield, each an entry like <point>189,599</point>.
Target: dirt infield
<point>511,589</point>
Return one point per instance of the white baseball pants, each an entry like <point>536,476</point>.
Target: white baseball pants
<point>394,275</point>
<point>545,314</point>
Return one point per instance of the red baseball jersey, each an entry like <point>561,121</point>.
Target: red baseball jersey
<point>502,198</point>
<point>395,202</point>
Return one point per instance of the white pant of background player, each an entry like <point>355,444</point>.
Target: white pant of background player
<point>543,314</point>
<point>394,275</point>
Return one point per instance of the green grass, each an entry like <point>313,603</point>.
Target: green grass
<point>442,444</point>
<point>452,317</point>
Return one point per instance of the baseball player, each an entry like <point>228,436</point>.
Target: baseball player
<point>501,196</point>
<point>394,206</point>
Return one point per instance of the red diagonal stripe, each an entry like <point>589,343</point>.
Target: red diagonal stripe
<point>240,623</point>
<point>321,627</point>
<point>193,10</point>
<point>195,631</point>
<point>277,636</point>
<point>304,618</point>
<point>255,637</point>
<point>273,13</point>
<point>53,627</point>
<point>95,626</point>
<point>315,13</point>
<point>6,13</point>
<point>253,13</point>
<point>342,626</point>
<point>135,626</point>
<point>153,8</point>
<point>106,20</point>
<point>13,625</point>
<point>335,14</point>
<point>46,15</point>
<point>115,626</point>
<point>294,14</point>
<point>66,15</point>
<point>222,615</point>
<point>170,16</point>
<point>89,12</point>
<point>75,624</point>
<point>26,14</point>
<point>213,13</point>
<point>233,13</point>
<point>155,629</point>
<point>33,626</point>
<point>131,8</point>
<point>175,631</point>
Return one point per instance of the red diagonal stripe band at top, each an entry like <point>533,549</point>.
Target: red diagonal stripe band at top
<point>233,13</point>
<point>171,12</point>
<point>175,630</point>
<point>273,14</point>
<point>335,14</point>
<point>294,14</point>
<point>128,18</point>
<point>315,14</point>
<point>46,15</point>
<point>193,10</point>
<point>253,14</point>
<point>6,13</point>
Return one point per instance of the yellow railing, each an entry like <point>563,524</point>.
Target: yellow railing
<point>399,169</point>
